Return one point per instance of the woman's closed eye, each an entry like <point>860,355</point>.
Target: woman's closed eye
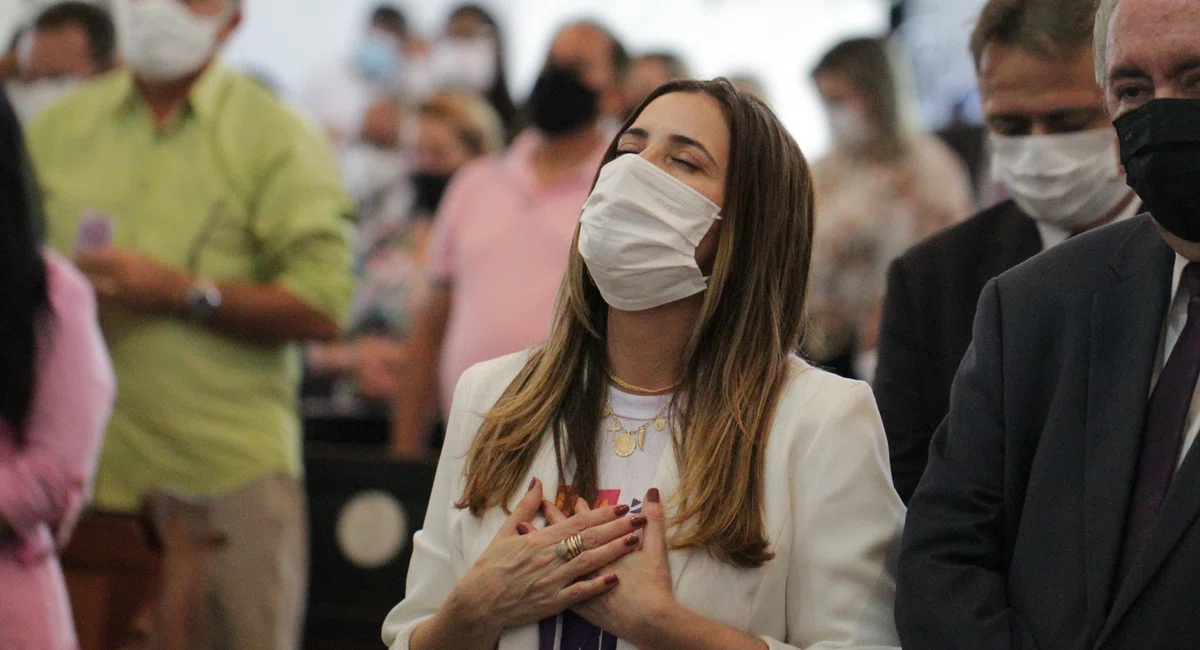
<point>692,167</point>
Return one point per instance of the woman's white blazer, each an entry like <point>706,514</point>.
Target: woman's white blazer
<point>833,519</point>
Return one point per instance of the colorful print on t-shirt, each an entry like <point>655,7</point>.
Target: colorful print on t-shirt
<point>577,632</point>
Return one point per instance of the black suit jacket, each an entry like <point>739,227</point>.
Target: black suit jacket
<point>1014,532</point>
<point>931,297</point>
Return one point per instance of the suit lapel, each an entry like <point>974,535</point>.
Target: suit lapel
<point>1126,324</point>
<point>1016,240</point>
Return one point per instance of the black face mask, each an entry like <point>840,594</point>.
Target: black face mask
<point>429,189</point>
<point>1160,148</point>
<point>561,103</point>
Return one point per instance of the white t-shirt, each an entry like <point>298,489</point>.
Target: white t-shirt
<point>622,481</point>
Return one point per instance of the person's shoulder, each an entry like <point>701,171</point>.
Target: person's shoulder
<point>483,383</point>
<point>1078,263</point>
<point>248,98</point>
<point>966,238</point>
<point>811,394</point>
<point>78,110</point>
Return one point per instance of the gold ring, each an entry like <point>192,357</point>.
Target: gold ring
<point>570,548</point>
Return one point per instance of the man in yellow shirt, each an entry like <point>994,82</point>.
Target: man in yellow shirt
<point>214,227</point>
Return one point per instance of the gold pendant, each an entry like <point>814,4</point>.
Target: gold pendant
<point>624,445</point>
<point>660,423</point>
<point>641,438</point>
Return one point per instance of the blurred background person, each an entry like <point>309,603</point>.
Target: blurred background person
<point>351,384</point>
<point>216,236</point>
<point>748,82</point>
<point>381,69</point>
<point>470,56</point>
<point>881,189</point>
<point>56,390</point>
<point>649,71</point>
<point>68,43</point>
<point>1055,151</point>
<point>505,227</point>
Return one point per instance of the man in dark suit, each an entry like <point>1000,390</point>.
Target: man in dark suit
<point>1055,151</point>
<point>1059,509</point>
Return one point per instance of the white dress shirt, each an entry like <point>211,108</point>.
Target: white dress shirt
<point>1177,313</point>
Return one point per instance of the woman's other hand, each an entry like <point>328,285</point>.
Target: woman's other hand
<point>520,579</point>
<point>643,589</point>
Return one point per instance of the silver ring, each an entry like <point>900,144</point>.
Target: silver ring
<point>570,548</point>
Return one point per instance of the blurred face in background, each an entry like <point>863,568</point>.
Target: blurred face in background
<point>645,75</point>
<point>439,148</point>
<point>169,40</point>
<point>846,108</point>
<point>589,53</point>
<point>1026,94</point>
<point>60,52</point>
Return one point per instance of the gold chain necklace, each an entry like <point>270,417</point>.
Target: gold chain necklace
<point>625,442</point>
<point>638,389</point>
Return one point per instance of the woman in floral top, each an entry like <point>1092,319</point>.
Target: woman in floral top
<point>350,382</point>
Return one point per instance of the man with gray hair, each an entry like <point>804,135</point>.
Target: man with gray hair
<point>1060,503</point>
<point>213,225</point>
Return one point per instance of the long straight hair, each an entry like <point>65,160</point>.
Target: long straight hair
<point>868,66</point>
<point>736,362</point>
<point>24,297</point>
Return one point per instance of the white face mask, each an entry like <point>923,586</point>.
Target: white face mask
<point>850,129</point>
<point>638,235</point>
<point>1068,181</point>
<point>29,99</point>
<point>464,63</point>
<point>162,40</point>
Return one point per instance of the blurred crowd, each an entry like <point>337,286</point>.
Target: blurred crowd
<point>266,275</point>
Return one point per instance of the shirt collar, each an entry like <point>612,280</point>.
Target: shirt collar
<point>1053,235</point>
<point>203,99</point>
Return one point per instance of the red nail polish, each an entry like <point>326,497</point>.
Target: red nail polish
<point>621,510</point>
<point>652,495</point>
<point>610,580</point>
<point>522,528</point>
<point>632,540</point>
<point>638,521</point>
<point>532,484</point>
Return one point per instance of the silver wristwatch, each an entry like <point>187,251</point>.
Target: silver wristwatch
<point>203,298</point>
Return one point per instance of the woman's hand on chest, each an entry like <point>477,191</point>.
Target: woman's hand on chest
<point>521,579</point>
<point>632,609</point>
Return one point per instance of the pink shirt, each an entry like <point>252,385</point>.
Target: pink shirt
<point>502,240</point>
<point>45,484</point>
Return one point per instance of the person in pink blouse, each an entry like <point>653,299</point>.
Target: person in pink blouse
<point>56,390</point>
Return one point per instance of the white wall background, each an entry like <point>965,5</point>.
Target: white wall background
<point>779,40</point>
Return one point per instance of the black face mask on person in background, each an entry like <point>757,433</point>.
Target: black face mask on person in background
<point>561,103</point>
<point>1160,148</point>
<point>429,189</point>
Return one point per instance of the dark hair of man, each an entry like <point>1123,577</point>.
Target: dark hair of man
<point>1048,28</point>
<point>23,293</point>
<point>96,23</point>
<point>621,61</point>
<point>390,18</point>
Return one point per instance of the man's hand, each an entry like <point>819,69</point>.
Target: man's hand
<point>134,281</point>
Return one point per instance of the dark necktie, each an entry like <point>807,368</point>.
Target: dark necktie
<point>1166,417</point>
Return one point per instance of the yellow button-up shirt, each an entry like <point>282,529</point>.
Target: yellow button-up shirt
<point>234,187</point>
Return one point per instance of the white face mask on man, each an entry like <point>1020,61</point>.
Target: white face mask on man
<point>1069,181</point>
<point>638,235</point>
<point>162,40</point>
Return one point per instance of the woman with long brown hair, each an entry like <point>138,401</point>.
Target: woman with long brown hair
<point>691,482</point>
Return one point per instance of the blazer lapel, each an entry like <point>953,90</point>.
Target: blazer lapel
<point>1126,325</point>
<point>1016,240</point>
